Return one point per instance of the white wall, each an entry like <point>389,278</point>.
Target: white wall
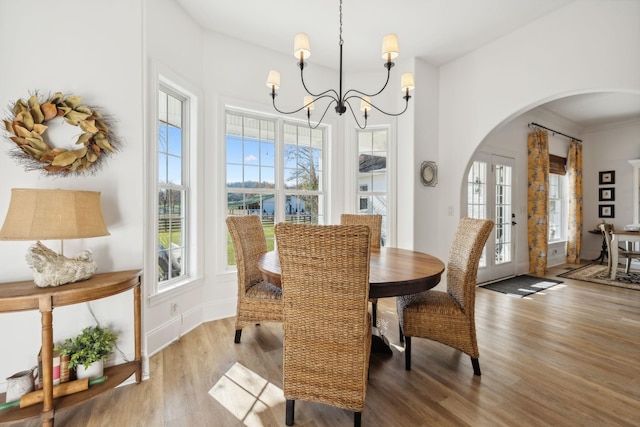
<point>94,52</point>
<point>173,46</point>
<point>586,46</point>
<point>415,227</point>
<point>609,148</point>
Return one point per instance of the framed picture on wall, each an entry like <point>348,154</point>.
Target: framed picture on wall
<point>607,177</point>
<point>606,211</point>
<point>607,194</point>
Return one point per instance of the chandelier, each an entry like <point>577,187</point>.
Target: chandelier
<point>302,51</point>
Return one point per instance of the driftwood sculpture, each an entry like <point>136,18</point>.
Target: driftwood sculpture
<point>51,269</point>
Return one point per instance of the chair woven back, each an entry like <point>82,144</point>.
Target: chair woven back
<point>258,301</point>
<point>374,222</point>
<point>249,244</point>
<point>327,328</point>
<point>464,255</point>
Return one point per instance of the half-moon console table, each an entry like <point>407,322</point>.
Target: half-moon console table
<point>21,296</point>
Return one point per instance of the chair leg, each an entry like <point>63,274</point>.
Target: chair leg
<point>357,419</point>
<point>476,366</point>
<point>238,334</point>
<point>407,353</point>
<point>400,332</point>
<point>374,311</point>
<point>290,406</point>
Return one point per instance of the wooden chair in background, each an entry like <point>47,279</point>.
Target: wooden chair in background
<point>622,253</point>
<point>258,301</point>
<point>449,317</point>
<point>327,327</point>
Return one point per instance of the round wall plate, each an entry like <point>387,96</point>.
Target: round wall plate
<point>429,174</point>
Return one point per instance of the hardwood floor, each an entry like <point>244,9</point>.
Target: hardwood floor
<point>568,356</point>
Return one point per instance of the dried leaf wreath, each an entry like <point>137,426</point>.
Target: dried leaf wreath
<point>27,129</point>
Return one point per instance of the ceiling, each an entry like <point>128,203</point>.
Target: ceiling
<point>596,109</point>
<point>436,31</point>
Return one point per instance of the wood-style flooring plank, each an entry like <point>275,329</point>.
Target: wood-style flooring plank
<point>567,356</point>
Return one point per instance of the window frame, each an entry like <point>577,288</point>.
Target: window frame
<point>279,191</point>
<point>182,188</point>
<point>563,199</point>
<point>363,190</point>
<point>163,77</point>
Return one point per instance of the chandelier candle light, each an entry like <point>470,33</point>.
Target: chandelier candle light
<point>302,51</point>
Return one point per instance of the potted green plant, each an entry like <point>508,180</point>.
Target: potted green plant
<point>88,350</point>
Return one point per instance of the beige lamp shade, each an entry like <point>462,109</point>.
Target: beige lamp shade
<point>301,47</point>
<point>406,82</point>
<point>365,104</point>
<point>53,214</point>
<point>273,80</point>
<point>308,103</point>
<point>390,47</point>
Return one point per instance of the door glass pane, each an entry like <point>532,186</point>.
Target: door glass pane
<point>477,197</point>
<point>503,214</point>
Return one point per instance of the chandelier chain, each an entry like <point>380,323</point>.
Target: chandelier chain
<point>341,41</point>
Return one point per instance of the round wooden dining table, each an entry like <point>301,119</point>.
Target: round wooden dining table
<point>392,271</point>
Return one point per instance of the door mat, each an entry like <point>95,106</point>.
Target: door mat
<point>521,286</point>
<point>596,273</point>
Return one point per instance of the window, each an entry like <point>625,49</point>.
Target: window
<point>274,169</point>
<point>557,222</point>
<point>172,185</point>
<point>373,151</point>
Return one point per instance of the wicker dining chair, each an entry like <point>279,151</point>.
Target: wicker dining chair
<point>258,301</point>
<point>606,230</point>
<point>374,222</point>
<point>449,317</point>
<point>327,326</point>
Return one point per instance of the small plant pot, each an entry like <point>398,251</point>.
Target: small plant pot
<point>95,370</point>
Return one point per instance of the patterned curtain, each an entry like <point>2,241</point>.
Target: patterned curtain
<point>538,200</point>
<point>574,171</point>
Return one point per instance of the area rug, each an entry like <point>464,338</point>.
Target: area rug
<point>521,286</point>
<point>597,273</point>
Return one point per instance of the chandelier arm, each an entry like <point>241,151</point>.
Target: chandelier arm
<point>325,93</point>
<point>406,105</point>
<point>323,114</point>
<point>273,97</point>
<point>356,118</point>
<point>371,95</point>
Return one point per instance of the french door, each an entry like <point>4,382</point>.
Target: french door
<point>490,195</point>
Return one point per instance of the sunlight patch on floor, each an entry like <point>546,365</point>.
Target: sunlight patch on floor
<point>246,394</point>
<point>400,348</point>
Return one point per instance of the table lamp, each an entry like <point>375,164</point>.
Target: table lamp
<point>55,214</point>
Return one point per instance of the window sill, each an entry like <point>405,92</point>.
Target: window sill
<point>177,288</point>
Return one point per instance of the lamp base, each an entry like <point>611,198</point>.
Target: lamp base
<point>51,269</point>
